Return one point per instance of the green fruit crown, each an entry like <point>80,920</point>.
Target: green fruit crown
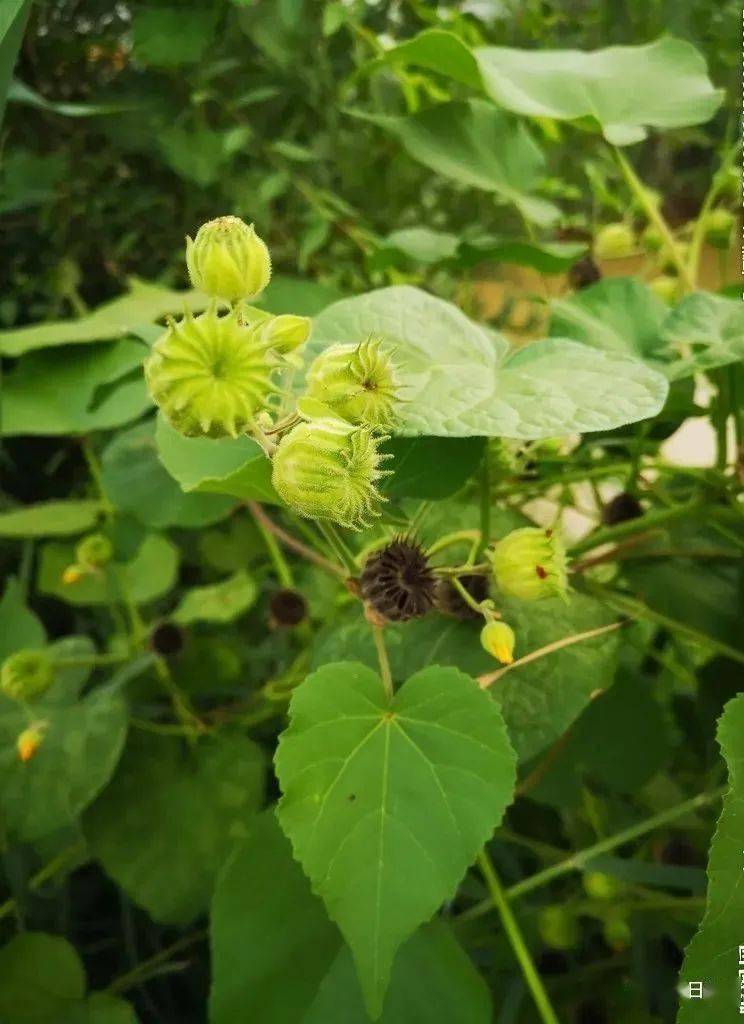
<point>329,469</point>
<point>357,383</point>
<point>212,375</point>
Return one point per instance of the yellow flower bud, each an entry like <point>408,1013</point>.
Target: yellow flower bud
<point>530,564</point>
<point>227,260</point>
<point>26,675</point>
<point>212,375</point>
<point>73,574</point>
<point>29,741</point>
<point>498,639</point>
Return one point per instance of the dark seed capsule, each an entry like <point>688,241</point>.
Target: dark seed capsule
<point>287,608</point>
<point>583,273</point>
<point>451,602</point>
<point>397,581</point>
<point>620,509</point>
<point>167,639</point>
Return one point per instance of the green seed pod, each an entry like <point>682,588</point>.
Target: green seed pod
<point>498,639</point>
<point>212,375</point>
<point>614,241</point>
<point>26,675</point>
<point>227,260</point>
<point>718,227</point>
<point>558,928</point>
<point>530,564</point>
<point>286,332</point>
<point>652,239</point>
<point>94,551</point>
<point>329,469</point>
<point>616,931</point>
<point>357,382</point>
<point>600,886</point>
<point>665,287</point>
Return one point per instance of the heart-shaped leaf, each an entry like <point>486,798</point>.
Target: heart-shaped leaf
<point>387,802</point>
<point>460,379</point>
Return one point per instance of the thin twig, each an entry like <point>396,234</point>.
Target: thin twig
<point>292,543</point>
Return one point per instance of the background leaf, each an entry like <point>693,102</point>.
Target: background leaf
<point>40,975</point>
<point>50,519</point>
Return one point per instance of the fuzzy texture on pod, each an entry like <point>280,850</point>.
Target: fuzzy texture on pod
<point>357,382</point>
<point>329,469</point>
<point>398,582</point>
<point>212,375</point>
<point>95,551</point>
<point>614,241</point>
<point>26,675</point>
<point>227,260</point>
<point>498,639</point>
<point>530,564</point>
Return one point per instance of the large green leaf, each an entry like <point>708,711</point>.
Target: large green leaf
<point>81,745</point>
<point>263,902</point>
<point>431,468</point>
<point>170,35</point>
<point>142,304</point>
<point>136,481</point>
<point>387,802</point>
<point>233,466</point>
<point>185,807</point>
<point>460,380</point>
<point>713,955</point>
<point>149,574</point>
<point>13,14</point>
<point>704,331</point>
<point>74,391</point>
<point>476,144</point>
<point>50,519</point>
<point>19,627</point>
<point>220,602</point>
<point>538,700</point>
<point>670,85</point>
<point>40,976</point>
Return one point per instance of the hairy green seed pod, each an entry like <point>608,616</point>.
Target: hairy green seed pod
<point>227,260</point>
<point>530,564</point>
<point>719,224</point>
<point>614,241</point>
<point>26,675</point>
<point>329,469</point>
<point>357,382</point>
<point>212,375</point>
<point>94,551</point>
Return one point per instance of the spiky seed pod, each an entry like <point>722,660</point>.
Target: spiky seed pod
<point>329,469</point>
<point>498,639</point>
<point>621,508</point>
<point>227,260</point>
<point>614,241</point>
<point>357,382</point>
<point>26,675</point>
<point>583,273</point>
<point>397,581</point>
<point>530,563</point>
<point>212,375</point>
<point>94,551</point>
<point>450,601</point>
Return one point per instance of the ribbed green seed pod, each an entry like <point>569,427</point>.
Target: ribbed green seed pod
<point>212,375</point>
<point>26,675</point>
<point>329,469</point>
<point>357,382</point>
<point>227,260</point>
<point>530,564</point>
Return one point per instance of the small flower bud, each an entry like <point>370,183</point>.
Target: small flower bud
<point>212,375</point>
<point>29,741</point>
<point>498,639</point>
<point>73,574</point>
<point>286,332</point>
<point>94,551</point>
<point>357,382</point>
<point>600,886</point>
<point>665,287</point>
<point>718,227</point>
<point>328,469</point>
<point>558,928</point>
<point>227,260</point>
<point>26,675</point>
<point>614,241</point>
<point>530,564</point>
<point>652,239</point>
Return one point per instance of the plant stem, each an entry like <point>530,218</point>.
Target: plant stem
<point>647,522</point>
<point>467,598</point>
<point>141,972</point>
<point>522,953</point>
<point>283,571</point>
<point>485,504</point>
<point>45,874</point>
<point>338,546</point>
<point>654,215</point>
<point>382,657</point>
<point>95,471</point>
<point>452,538</point>
<point>291,542</point>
